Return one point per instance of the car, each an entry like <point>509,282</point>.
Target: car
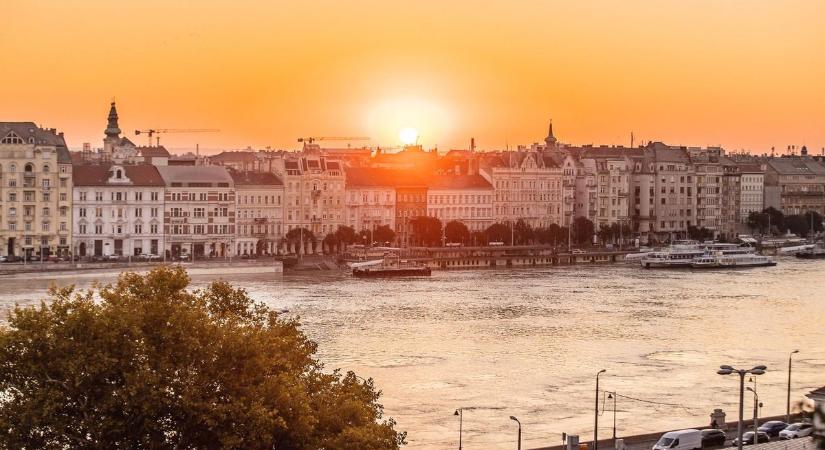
<point>689,439</point>
<point>796,430</point>
<point>112,257</point>
<point>773,427</point>
<point>152,257</point>
<point>496,244</point>
<point>748,438</point>
<point>578,251</point>
<point>713,438</point>
<point>3,259</point>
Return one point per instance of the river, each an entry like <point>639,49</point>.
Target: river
<point>528,343</point>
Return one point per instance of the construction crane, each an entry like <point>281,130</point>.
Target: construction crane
<point>310,140</point>
<point>152,132</point>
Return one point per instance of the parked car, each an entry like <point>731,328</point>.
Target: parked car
<point>748,438</point>
<point>796,430</point>
<point>773,427</point>
<point>3,259</point>
<point>689,439</point>
<point>578,251</point>
<point>713,437</point>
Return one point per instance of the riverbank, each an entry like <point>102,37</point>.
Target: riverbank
<point>94,269</point>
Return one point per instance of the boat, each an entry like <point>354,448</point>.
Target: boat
<point>391,266</point>
<point>812,253</point>
<point>679,255</point>
<point>732,258</point>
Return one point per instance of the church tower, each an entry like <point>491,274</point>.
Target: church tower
<point>112,132</point>
<point>550,140</point>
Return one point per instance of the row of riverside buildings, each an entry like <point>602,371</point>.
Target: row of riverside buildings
<point>127,200</point>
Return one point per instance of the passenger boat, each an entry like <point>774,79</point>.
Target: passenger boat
<point>391,266</point>
<point>732,258</point>
<point>680,255</point>
<point>812,253</point>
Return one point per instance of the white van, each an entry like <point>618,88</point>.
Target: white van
<point>680,440</point>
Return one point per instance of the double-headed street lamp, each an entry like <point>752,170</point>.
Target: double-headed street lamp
<point>788,404</point>
<point>727,370</point>
<point>519,430</point>
<point>460,413</point>
<point>596,415</point>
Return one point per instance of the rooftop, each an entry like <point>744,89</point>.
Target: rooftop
<point>99,174</point>
<point>194,174</point>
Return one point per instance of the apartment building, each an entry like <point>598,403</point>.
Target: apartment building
<point>468,198</point>
<point>259,210</point>
<point>199,211</point>
<point>117,210</point>
<point>35,191</point>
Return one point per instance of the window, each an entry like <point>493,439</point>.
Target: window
<point>153,228</point>
<point>12,138</point>
<point>45,168</point>
<point>98,229</point>
<point>139,212</point>
<point>82,228</point>
<point>138,196</point>
<point>138,228</point>
<point>154,196</point>
<point>98,196</point>
<point>12,196</point>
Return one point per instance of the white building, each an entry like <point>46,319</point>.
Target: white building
<point>466,198</point>
<point>370,198</point>
<point>117,210</point>
<point>751,192</point>
<point>199,211</point>
<point>260,214</point>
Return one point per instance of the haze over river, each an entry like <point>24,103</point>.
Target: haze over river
<point>528,342</point>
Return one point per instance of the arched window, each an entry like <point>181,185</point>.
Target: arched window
<point>29,168</point>
<point>45,168</point>
<point>119,174</point>
<point>12,138</point>
<point>13,168</point>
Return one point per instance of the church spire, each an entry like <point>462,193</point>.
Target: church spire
<point>112,129</point>
<point>550,140</point>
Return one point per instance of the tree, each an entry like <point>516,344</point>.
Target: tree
<point>345,235</point>
<point>758,221</point>
<point>777,219</point>
<point>699,234</point>
<point>814,219</point>
<point>151,364</point>
<point>383,234</point>
<point>498,232</point>
<point>331,242</point>
<point>456,231</point>
<point>426,230</point>
<point>523,232</point>
<point>583,230</point>
<point>295,235</point>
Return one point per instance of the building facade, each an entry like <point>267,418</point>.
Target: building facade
<point>117,210</point>
<point>199,212</point>
<point>465,198</point>
<point>259,207</point>
<point>800,183</point>
<point>35,192</point>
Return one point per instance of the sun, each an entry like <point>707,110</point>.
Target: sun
<point>408,135</point>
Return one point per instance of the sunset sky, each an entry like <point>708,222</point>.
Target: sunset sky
<point>741,74</point>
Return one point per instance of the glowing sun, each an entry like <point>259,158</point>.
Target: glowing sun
<point>408,136</point>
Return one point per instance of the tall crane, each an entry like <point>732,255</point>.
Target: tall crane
<point>310,140</point>
<point>158,131</point>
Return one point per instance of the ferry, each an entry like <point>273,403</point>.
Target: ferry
<point>732,259</point>
<point>390,266</point>
<point>678,255</point>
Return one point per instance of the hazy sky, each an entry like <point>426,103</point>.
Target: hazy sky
<point>744,74</point>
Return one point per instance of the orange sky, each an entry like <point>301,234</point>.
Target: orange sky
<point>740,73</point>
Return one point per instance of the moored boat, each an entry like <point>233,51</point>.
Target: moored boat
<point>812,253</point>
<point>391,266</point>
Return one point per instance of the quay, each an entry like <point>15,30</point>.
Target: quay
<point>96,269</point>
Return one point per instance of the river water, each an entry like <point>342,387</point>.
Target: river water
<point>528,343</point>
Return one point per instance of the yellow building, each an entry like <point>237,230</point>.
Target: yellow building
<point>35,191</point>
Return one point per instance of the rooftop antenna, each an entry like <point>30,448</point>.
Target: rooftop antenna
<point>631,139</point>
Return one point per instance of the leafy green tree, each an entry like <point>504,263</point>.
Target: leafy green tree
<point>699,233</point>
<point>804,224</point>
<point>456,231</point>
<point>426,230</point>
<point>498,232</point>
<point>146,363</point>
<point>383,234</point>
<point>345,235</point>
<point>294,236</point>
<point>777,219</point>
<point>331,242</point>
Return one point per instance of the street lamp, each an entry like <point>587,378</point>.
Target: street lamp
<point>460,413</point>
<point>596,415</point>
<point>755,415</point>
<point>788,403</point>
<point>519,430</point>
<point>727,370</point>
<point>613,395</point>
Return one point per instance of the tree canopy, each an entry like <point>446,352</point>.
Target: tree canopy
<point>498,232</point>
<point>583,230</point>
<point>383,234</point>
<point>456,231</point>
<point>146,363</point>
<point>426,230</point>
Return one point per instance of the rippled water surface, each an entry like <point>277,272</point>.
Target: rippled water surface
<point>528,343</point>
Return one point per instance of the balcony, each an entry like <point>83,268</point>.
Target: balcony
<point>29,174</point>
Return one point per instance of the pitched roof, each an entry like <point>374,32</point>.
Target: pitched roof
<point>148,152</point>
<point>459,182</point>
<point>246,178</point>
<point>32,134</point>
<point>797,166</point>
<point>194,174</point>
<point>233,156</point>
<point>99,174</point>
<point>380,177</point>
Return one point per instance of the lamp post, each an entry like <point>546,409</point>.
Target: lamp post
<point>788,402</point>
<point>727,370</point>
<point>596,414</point>
<point>519,431</point>
<point>460,413</point>
<point>755,415</point>
<point>613,396</point>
